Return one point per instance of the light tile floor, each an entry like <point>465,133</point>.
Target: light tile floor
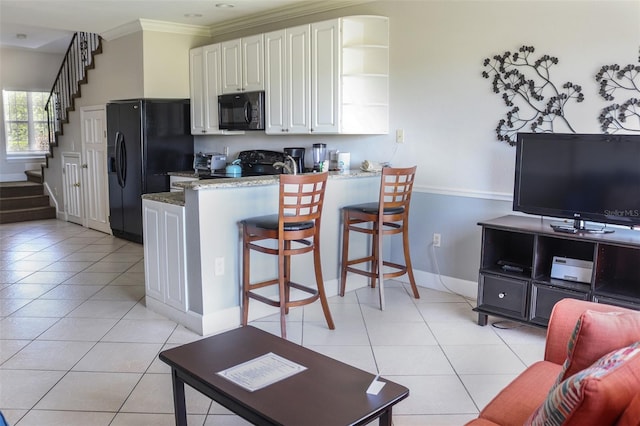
<point>78,346</point>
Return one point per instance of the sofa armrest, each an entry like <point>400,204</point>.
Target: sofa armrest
<point>564,316</point>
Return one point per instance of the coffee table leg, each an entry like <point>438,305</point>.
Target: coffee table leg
<point>385,418</point>
<point>179,405</point>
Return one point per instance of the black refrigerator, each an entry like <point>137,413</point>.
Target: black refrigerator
<point>146,139</point>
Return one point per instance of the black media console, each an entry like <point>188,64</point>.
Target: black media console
<point>516,260</point>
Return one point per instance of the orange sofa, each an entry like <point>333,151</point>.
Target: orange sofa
<point>580,381</point>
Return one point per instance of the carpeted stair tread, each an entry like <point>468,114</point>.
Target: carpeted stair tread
<point>22,201</point>
<point>22,215</point>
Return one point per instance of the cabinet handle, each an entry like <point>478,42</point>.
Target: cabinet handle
<point>502,295</point>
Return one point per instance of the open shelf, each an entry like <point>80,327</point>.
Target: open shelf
<point>529,295</point>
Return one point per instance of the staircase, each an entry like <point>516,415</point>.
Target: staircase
<point>23,201</point>
<point>66,88</point>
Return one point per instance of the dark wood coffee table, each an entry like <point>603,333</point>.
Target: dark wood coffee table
<point>328,392</point>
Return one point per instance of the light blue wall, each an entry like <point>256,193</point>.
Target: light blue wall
<point>455,219</point>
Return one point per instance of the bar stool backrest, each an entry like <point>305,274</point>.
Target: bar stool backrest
<point>302,197</point>
<point>396,187</point>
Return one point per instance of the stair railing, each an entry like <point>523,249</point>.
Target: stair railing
<point>72,74</point>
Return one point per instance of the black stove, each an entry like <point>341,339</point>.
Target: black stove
<point>260,162</point>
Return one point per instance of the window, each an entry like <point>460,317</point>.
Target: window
<point>25,122</point>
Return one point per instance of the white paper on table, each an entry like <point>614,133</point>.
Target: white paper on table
<point>260,372</point>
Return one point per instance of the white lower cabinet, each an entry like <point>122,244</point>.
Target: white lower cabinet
<point>165,254</point>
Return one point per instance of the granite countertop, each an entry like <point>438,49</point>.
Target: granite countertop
<point>177,198</point>
<point>261,180</point>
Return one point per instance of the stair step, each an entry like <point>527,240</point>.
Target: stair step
<point>34,176</point>
<point>29,201</point>
<point>20,189</point>
<point>23,215</point>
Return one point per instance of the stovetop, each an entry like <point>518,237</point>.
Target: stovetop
<point>256,162</point>
<point>259,162</point>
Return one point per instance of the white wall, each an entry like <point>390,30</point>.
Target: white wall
<point>166,64</point>
<point>23,70</point>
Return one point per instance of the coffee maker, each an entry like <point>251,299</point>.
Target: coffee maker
<point>298,156</point>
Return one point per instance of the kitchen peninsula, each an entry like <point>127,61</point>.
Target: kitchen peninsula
<point>193,253</point>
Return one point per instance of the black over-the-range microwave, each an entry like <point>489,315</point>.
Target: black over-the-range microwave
<point>241,111</point>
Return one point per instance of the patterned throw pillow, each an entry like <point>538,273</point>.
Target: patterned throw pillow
<point>596,334</point>
<point>595,395</point>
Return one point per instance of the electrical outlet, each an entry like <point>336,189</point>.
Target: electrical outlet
<point>219,266</point>
<point>400,136</point>
<point>437,240</point>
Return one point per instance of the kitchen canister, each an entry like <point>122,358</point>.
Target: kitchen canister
<point>344,161</point>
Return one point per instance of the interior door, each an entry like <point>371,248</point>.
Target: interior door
<point>94,148</point>
<point>72,184</point>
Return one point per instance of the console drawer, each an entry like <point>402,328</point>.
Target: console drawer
<point>506,296</point>
<point>544,298</point>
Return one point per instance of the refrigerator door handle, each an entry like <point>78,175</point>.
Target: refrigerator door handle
<point>118,162</point>
<point>123,161</point>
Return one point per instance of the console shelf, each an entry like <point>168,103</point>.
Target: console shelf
<point>517,257</point>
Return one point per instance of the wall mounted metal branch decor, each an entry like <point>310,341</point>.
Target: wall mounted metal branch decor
<point>624,116</point>
<point>537,104</point>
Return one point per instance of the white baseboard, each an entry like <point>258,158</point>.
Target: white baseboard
<point>230,318</point>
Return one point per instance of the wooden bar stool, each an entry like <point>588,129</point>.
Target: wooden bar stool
<point>296,228</point>
<point>388,216</point>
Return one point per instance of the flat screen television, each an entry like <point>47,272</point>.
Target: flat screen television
<point>584,177</point>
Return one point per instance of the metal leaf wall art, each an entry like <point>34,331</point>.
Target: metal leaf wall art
<point>536,103</point>
<point>624,116</point>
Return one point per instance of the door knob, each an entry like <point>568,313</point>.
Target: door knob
<point>77,184</point>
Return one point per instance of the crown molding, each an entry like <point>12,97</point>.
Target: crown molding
<point>158,26</point>
<point>276,15</point>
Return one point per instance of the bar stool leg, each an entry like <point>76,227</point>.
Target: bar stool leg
<point>375,254</point>
<point>407,257</point>
<point>345,251</point>
<point>320,282</point>
<point>246,257</point>
<point>283,291</point>
<point>380,263</point>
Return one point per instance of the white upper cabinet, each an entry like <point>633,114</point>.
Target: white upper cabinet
<point>325,76</point>
<point>243,64</point>
<point>288,81</point>
<point>204,63</point>
<point>329,77</point>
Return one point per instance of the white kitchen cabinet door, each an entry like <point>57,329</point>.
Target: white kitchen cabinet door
<point>325,76</point>
<point>174,257</point>
<point>298,71</point>
<point>153,240</point>
<point>288,81</point>
<point>253,63</point>
<point>231,66</point>
<point>164,254</point>
<point>275,80</point>
<point>205,85</point>
<point>243,64</point>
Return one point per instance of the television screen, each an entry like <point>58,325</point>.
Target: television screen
<point>592,177</point>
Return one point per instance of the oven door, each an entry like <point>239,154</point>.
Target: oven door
<point>241,111</point>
